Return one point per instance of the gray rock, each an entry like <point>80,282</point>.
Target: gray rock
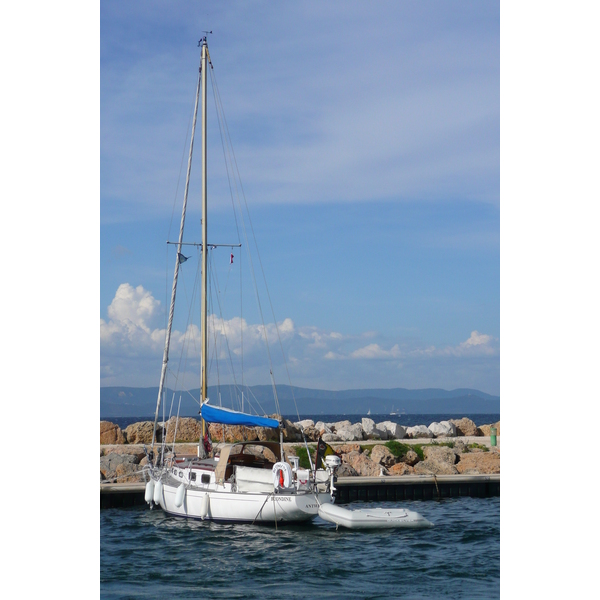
<point>321,426</point>
<point>340,425</point>
<point>353,433</point>
<point>368,425</point>
<point>419,431</point>
<point>443,429</point>
<point>394,431</point>
<point>440,454</point>
<point>115,465</point>
<point>346,470</point>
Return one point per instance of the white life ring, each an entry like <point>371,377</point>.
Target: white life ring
<point>282,474</point>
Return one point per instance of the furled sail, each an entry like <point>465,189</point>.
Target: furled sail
<point>225,416</point>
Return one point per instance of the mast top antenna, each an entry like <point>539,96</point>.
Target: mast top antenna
<point>203,40</point>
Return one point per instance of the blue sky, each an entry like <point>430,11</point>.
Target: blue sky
<point>367,136</point>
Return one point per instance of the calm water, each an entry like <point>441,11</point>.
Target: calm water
<point>146,554</point>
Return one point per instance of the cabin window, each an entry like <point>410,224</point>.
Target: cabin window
<point>205,478</point>
<point>180,473</point>
<point>192,476</point>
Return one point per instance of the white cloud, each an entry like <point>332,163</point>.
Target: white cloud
<point>132,346</point>
<point>478,344</point>
<point>135,305</point>
<point>415,116</point>
<point>375,351</point>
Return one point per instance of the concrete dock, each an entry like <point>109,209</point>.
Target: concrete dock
<point>351,489</point>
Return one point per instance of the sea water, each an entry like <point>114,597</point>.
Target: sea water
<point>147,554</point>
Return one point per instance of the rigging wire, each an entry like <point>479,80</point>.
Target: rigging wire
<point>220,112</point>
<point>215,282</point>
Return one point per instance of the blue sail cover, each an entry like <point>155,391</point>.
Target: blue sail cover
<point>225,416</point>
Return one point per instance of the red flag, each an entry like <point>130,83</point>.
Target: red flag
<point>231,260</point>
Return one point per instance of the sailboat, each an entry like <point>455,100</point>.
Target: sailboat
<point>241,482</point>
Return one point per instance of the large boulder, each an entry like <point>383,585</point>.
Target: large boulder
<point>433,467</point>
<point>372,431</point>
<point>382,455</point>
<point>331,437</point>
<point>231,433</point>
<point>339,425</point>
<point>465,427</point>
<point>350,457</point>
<point>324,427</point>
<point>411,458</point>
<point>366,467</point>
<point>346,448</point>
<point>119,467</point>
<point>483,463</point>
<point>137,453</point>
<point>304,424</point>
<point>266,434</point>
<point>401,469</point>
<point>418,431</point>
<point>110,433</point>
<point>352,433</point>
<point>440,454</point>
<point>443,429</point>
<point>291,433</point>
<point>312,434</point>
<point>184,429</point>
<point>141,433</point>
<point>486,429</point>
<point>383,434</point>
<point>127,473</point>
<point>394,431</point>
<point>346,470</point>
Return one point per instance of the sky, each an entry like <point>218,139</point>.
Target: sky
<point>66,244</point>
<point>367,137</point>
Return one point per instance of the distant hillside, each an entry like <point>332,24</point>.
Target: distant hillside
<point>141,402</point>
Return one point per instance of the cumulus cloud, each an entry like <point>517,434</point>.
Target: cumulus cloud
<point>132,344</point>
<point>375,351</point>
<point>130,328</point>
<point>479,344</point>
<point>133,305</point>
<point>130,338</point>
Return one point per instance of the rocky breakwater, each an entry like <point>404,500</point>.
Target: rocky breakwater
<point>442,448</point>
<point>366,448</point>
<point>122,456</point>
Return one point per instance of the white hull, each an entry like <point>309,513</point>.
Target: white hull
<point>243,507</point>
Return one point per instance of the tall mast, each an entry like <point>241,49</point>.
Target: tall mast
<point>163,372</point>
<point>204,319</point>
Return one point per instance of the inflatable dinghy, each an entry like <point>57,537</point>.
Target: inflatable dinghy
<point>373,518</point>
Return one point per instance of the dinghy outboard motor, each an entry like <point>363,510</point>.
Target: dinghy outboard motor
<point>333,461</point>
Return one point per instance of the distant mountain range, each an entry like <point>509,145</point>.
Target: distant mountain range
<point>141,402</point>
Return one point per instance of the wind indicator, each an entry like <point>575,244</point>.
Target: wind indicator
<point>204,38</point>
